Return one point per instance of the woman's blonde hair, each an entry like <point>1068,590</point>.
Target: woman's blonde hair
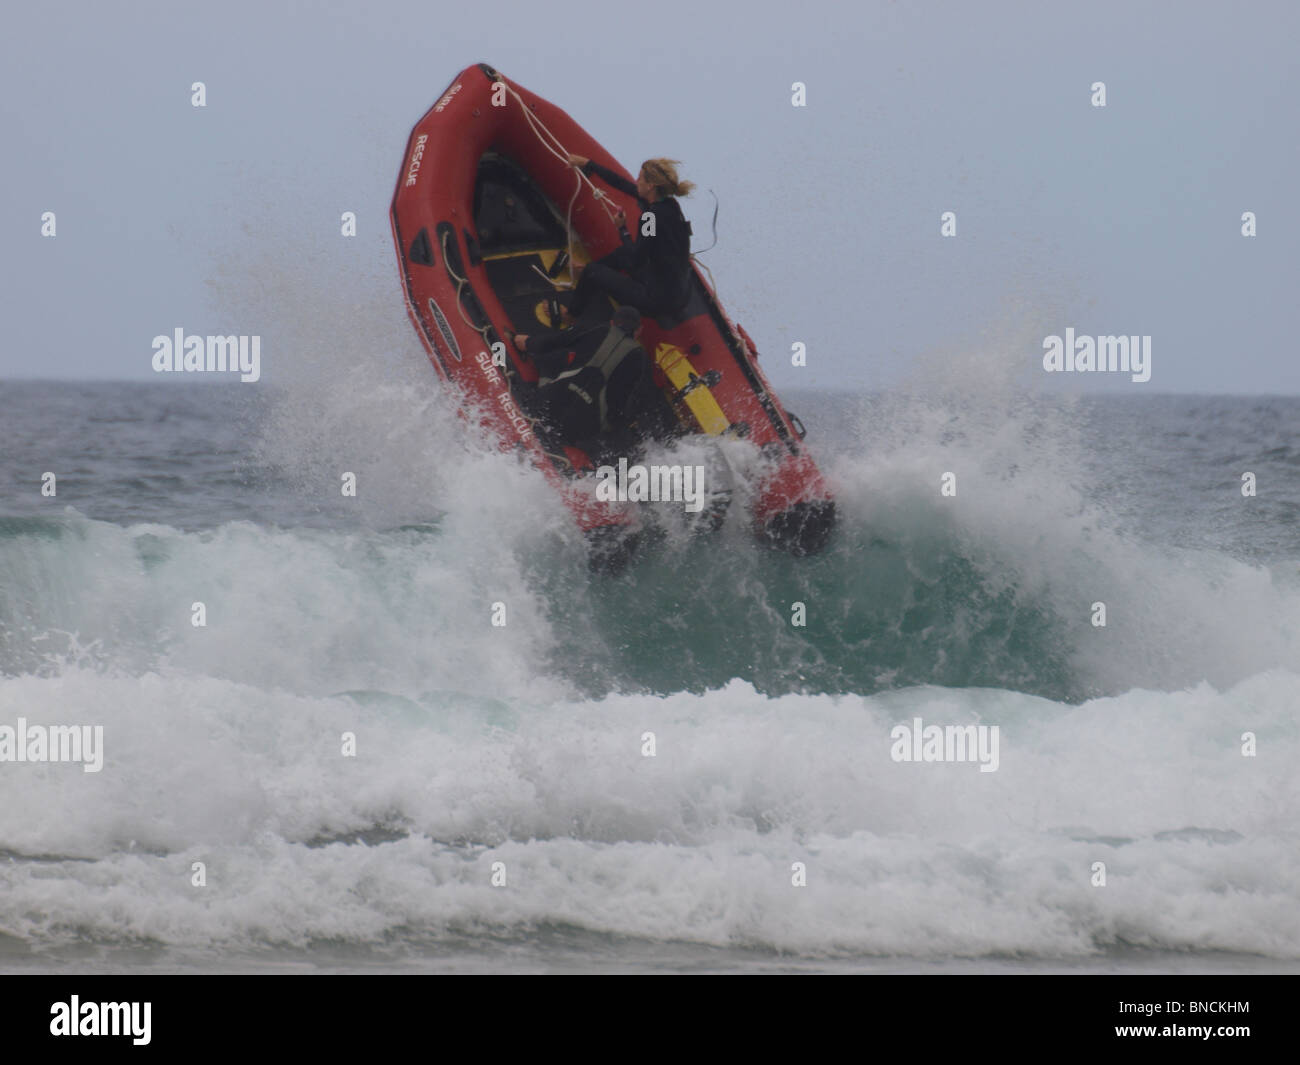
<point>662,174</point>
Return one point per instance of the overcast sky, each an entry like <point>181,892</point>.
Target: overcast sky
<point>1124,219</point>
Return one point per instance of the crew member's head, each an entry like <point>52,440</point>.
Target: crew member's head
<point>628,319</point>
<point>658,178</point>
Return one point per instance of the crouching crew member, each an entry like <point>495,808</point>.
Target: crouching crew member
<point>602,398</point>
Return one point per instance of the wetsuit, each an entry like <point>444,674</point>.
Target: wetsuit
<point>651,274</point>
<point>594,387</point>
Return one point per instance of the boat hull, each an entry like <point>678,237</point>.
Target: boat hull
<point>485,205</point>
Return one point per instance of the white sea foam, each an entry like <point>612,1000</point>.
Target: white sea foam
<point>478,744</point>
<point>696,843</point>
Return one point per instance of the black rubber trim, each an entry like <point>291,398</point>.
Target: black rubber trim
<point>416,313</point>
<point>803,528</point>
<point>421,251</point>
<point>450,250</point>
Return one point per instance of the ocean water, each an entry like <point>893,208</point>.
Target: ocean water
<point>516,751</point>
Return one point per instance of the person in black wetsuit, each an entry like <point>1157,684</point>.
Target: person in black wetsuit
<point>652,273</point>
<point>595,387</point>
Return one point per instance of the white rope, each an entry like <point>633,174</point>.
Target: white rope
<point>557,149</point>
<point>553,145</point>
<point>461,282</point>
<point>568,229</point>
<point>568,225</point>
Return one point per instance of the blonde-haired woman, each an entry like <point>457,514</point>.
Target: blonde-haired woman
<point>652,273</point>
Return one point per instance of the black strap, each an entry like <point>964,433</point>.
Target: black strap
<point>715,224</point>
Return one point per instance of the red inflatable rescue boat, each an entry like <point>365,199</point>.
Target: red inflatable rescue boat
<point>489,218</point>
